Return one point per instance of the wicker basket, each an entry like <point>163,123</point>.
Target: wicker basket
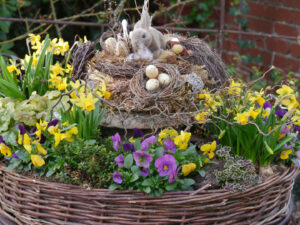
<point>29,201</point>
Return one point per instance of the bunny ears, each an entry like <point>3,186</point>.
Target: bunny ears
<point>145,21</point>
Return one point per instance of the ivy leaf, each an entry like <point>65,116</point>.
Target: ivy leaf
<point>128,161</point>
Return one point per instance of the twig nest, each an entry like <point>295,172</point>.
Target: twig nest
<point>122,48</point>
<point>110,45</point>
<point>167,56</point>
<point>164,79</point>
<point>152,85</point>
<point>151,71</point>
<point>178,49</point>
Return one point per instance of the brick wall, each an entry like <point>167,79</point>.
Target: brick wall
<point>281,17</point>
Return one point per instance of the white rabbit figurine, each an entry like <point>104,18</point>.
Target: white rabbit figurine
<point>143,35</point>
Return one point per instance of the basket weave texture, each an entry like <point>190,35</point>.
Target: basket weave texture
<point>28,201</point>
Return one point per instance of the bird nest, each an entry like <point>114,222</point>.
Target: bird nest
<point>196,69</point>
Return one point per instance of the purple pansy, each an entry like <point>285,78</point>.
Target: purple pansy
<point>289,146</point>
<point>128,147</point>
<point>137,133</point>
<point>296,128</point>
<point>284,129</point>
<point>142,159</point>
<point>267,105</point>
<point>22,129</point>
<point>117,177</point>
<point>173,175</point>
<point>116,139</point>
<point>33,130</point>
<point>14,156</point>
<point>298,154</point>
<point>280,113</point>
<point>43,139</point>
<point>165,165</point>
<point>145,143</point>
<point>119,160</point>
<point>2,140</point>
<point>296,163</point>
<point>170,146</point>
<point>144,172</point>
<point>53,123</point>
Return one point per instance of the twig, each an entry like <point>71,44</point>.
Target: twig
<point>54,16</point>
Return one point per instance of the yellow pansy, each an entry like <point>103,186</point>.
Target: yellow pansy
<point>188,168</point>
<point>20,139</point>
<point>132,140</point>
<point>201,117</point>
<point>285,154</point>
<point>181,141</point>
<point>167,133</point>
<point>54,130</point>
<point>5,150</point>
<point>266,112</point>
<point>242,118</point>
<point>284,90</point>
<point>42,125</point>
<point>41,149</point>
<point>27,143</point>
<point>37,160</point>
<point>208,149</point>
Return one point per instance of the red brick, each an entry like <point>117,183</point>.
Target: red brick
<point>228,58</point>
<point>260,25</point>
<point>255,52</point>
<point>296,17</point>
<point>279,14</point>
<point>256,9</point>
<point>229,20</point>
<point>295,50</point>
<point>230,45</point>
<point>287,64</point>
<point>288,30</point>
<point>278,45</point>
<point>292,3</point>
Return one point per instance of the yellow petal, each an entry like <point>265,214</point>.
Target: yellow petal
<point>41,149</point>
<point>37,160</point>
<point>205,148</point>
<point>188,168</point>
<point>213,146</point>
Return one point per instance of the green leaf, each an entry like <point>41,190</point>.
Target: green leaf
<point>134,177</point>
<point>171,187</point>
<point>202,173</point>
<point>135,170</point>
<point>147,189</point>
<point>13,165</point>
<point>114,187</point>
<point>50,172</point>
<point>147,182</point>
<point>128,161</point>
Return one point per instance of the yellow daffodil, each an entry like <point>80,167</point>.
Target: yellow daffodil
<point>296,118</point>
<point>235,88</point>
<point>41,149</point>
<point>69,69</point>
<point>5,150</point>
<point>242,118</point>
<point>254,113</point>
<point>188,168</point>
<point>37,160</point>
<point>102,92</point>
<point>290,101</point>
<point>284,90</point>
<point>208,149</point>
<point>57,69</point>
<point>181,141</point>
<point>27,143</point>
<point>62,85</point>
<point>61,47</point>
<point>27,60</point>
<point>12,67</point>
<point>260,100</point>
<point>55,80</point>
<point>201,117</point>
<point>34,39</point>
<point>285,154</point>
<point>85,102</point>
<point>254,96</point>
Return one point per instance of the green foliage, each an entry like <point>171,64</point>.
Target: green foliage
<point>35,79</point>
<point>237,174</point>
<point>87,122</point>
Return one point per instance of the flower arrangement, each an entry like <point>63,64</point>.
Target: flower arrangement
<point>259,126</point>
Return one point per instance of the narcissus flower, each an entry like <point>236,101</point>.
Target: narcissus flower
<point>37,160</point>
<point>285,154</point>
<point>235,88</point>
<point>208,149</point>
<point>254,113</point>
<point>85,102</point>
<point>242,118</point>
<point>284,90</point>
<point>201,117</point>
<point>188,168</point>
<point>5,150</point>
<point>57,69</point>
<point>34,39</point>
<point>182,140</point>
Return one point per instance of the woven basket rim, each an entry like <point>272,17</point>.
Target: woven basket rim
<point>76,189</point>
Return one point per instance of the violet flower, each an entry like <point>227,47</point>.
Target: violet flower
<point>2,140</point>
<point>117,177</point>
<point>43,139</point>
<point>296,163</point>
<point>296,128</point>
<point>284,129</point>
<point>280,113</point>
<point>119,160</point>
<point>145,143</point>
<point>170,146</point>
<point>144,172</point>
<point>289,146</point>
<point>52,123</point>
<point>142,159</point>
<point>298,154</point>
<point>173,175</point>
<point>137,133</point>
<point>165,165</point>
<point>267,105</point>
<point>22,129</point>
<point>116,139</point>
<point>128,147</point>
<point>14,156</point>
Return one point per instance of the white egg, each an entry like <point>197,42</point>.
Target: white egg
<point>151,71</point>
<point>177,49</point>
<point>152,85</point>
<point>110,45</point>
<point>175,40</point>
<point>164,79</point>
